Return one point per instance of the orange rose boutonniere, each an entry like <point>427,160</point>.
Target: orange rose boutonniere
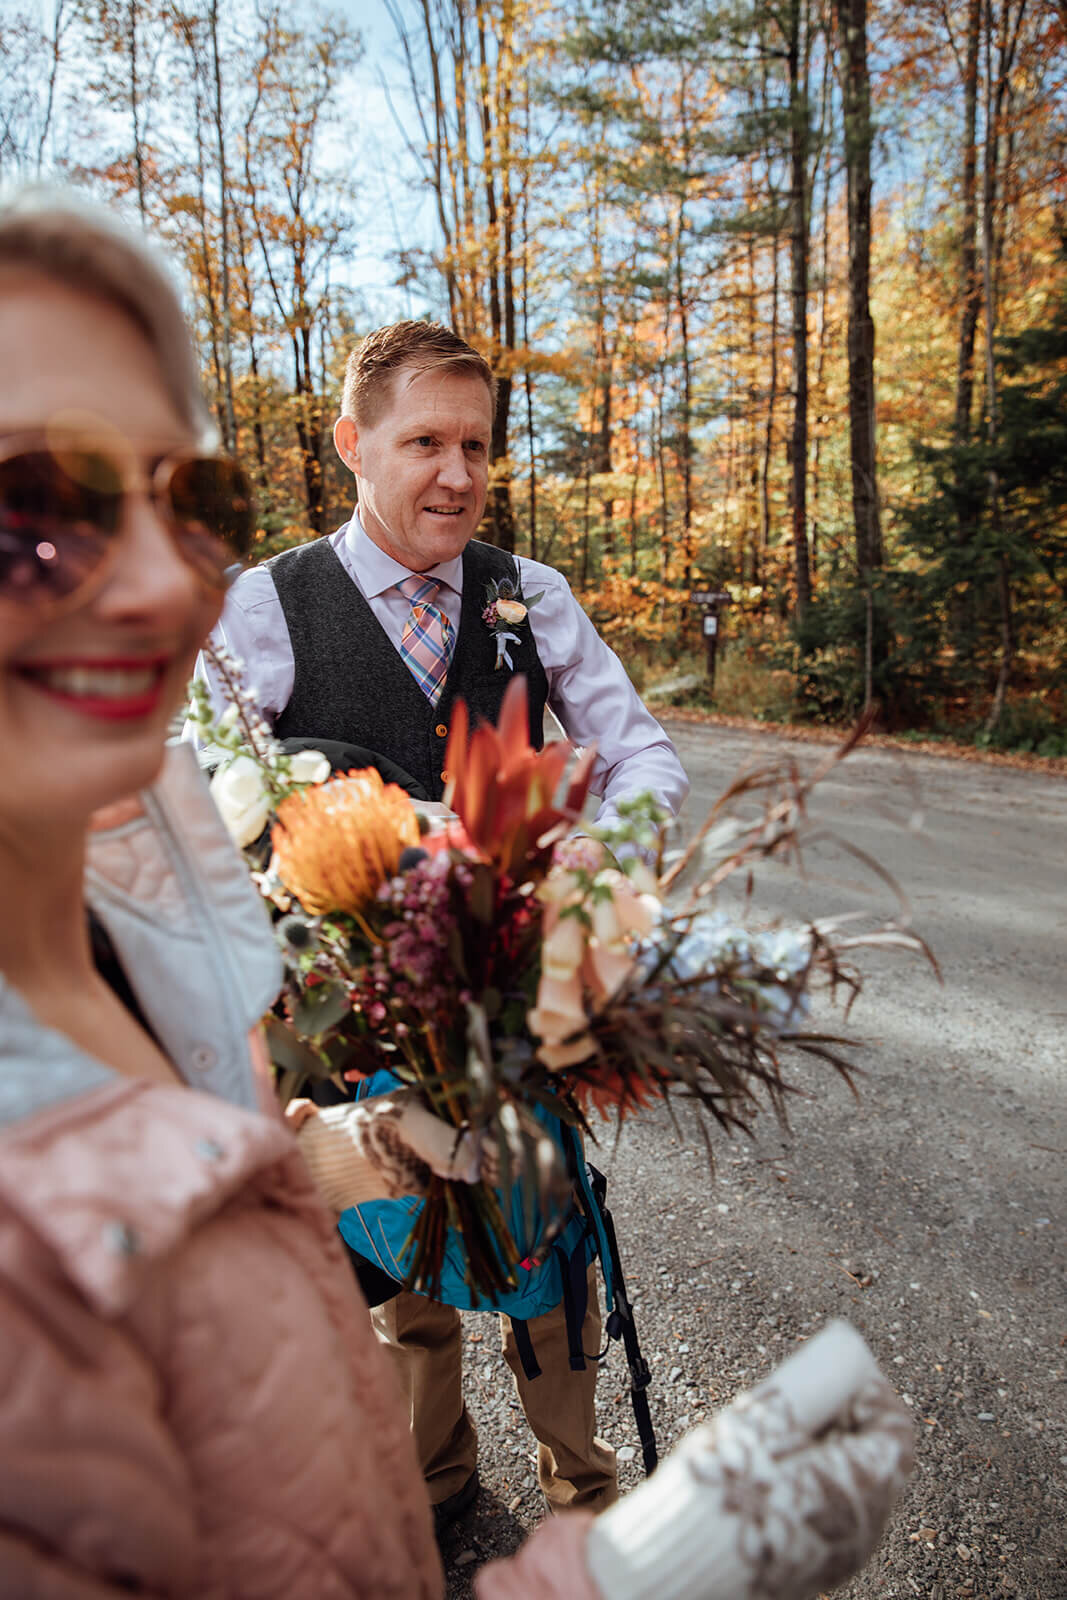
<point>506,608</point>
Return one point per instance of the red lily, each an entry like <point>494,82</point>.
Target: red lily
<point>504,791</point>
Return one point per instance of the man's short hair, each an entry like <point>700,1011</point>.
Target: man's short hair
<point>413,347</point>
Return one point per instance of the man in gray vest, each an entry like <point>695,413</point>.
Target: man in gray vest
<point>367,637</point>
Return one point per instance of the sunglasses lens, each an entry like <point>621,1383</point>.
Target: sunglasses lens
<point>59,511</point>
<point>211,500</point>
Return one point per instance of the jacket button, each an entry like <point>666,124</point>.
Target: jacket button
<point>203,1058</point>
<point>121,1239</point>
<point>441,731</point>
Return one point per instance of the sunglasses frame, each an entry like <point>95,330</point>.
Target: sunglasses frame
<point>134,479</point>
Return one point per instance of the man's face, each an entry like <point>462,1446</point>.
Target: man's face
<point>423,468</point>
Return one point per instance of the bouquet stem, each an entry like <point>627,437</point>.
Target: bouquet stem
<point>473,1210</point>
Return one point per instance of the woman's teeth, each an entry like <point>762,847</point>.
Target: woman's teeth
<point>101,683</point>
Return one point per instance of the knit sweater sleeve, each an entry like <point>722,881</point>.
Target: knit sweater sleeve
<point>349,1165</point>
<point>385,1147</point>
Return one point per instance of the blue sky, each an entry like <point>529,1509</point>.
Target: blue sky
<point>392,208</point>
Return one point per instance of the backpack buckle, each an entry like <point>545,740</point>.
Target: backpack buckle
<point>640,1377</point>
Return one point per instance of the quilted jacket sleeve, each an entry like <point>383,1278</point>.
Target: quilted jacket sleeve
<point>551,1563</point>
<point>33,1574</point>
<point>95,1498</point>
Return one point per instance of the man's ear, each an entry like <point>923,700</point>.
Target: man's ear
<point>346,442</point>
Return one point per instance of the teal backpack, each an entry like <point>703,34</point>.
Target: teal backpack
<point>379,1232</point>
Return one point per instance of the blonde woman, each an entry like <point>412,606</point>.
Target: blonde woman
<point>192,1402</point>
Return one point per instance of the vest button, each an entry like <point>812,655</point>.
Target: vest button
<point>441,730</point>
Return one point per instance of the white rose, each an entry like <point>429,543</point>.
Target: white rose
<point>309,766</point>
<point>242,802</point>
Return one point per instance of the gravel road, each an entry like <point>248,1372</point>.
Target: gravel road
<point>930,1212</point>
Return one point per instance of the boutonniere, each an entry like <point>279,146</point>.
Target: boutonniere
<point>506,607</point>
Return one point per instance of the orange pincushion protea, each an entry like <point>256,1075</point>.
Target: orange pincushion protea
<point>335,844</point>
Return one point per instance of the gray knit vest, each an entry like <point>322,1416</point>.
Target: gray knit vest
<point>350,683</point>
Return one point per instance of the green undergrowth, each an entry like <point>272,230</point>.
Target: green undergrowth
<point>751,681</point>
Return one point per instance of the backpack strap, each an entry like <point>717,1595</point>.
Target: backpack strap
<point>580,1175</point>
<point>620,1324</point>
<point>524,1345</point>
<point>574,1277</point>
<point>575,1274</point>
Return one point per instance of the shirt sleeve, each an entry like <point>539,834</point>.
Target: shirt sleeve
<point>252,628</point>
<point>590,692</point>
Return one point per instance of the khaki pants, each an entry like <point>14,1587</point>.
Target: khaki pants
<point>574,1468</point>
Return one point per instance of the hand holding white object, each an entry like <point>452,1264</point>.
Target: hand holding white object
<point>783,1494</point>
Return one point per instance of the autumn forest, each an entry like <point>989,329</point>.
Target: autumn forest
<point>776,295</point>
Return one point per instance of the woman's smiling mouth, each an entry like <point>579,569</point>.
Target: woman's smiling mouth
<point>115,690</point>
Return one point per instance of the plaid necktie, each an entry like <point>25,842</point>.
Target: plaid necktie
<point>426,643</point>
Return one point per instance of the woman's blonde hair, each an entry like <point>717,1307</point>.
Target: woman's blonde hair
<point>63,236</point>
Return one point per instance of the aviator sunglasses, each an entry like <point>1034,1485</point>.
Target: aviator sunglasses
<point>61,509</point>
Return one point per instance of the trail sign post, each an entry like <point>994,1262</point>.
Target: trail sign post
<point>711,602</point>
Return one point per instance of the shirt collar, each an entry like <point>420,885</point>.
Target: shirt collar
<point>378,572</point>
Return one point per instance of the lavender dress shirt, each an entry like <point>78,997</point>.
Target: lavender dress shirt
<point>588,689</point>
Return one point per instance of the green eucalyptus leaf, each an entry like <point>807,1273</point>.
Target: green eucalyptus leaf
<point>320,1008</point>
<point>288,1086</point>
<point>290,1053</point>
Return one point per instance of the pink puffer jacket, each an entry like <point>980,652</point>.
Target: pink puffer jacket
<point>192,1401</point>
<point>180,1337</point>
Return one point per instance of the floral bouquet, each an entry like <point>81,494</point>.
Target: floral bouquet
<point>500,964</point>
